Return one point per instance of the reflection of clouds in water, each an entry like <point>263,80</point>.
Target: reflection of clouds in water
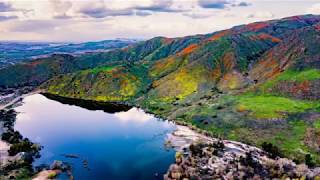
<point>39,106</point>
<point>168,124</point>
<point>101,138</point>
<point>36,98</point>
<point>37,139</point>
<point>23,116</point>
<point>47,155</point>
<point>38,101</point>
<point>134,114</point>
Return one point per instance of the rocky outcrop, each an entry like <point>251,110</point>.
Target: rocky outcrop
<point>200,157</point>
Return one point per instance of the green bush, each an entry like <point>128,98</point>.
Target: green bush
<point>271,149</point>
<point>24,146</point>
<point>309,161</point>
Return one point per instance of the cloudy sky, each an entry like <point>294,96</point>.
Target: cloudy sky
<point>89,20</point>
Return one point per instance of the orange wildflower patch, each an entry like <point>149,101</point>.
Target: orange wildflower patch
<point>34,63</point>
<point>116,74</point>
<point>228,61</point>
<point>227,64</point>
<point>188,49</point>
<point>216,73</point>
<point>230,81</point>
<point>256,26</point>
<point>266,68</point>
<point>303,87</point>
<point>269,67</point>
<point>219,35</point>
<point>265,36</point>
<point>156,83</point>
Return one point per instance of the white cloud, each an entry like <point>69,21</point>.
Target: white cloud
<point>35,26</point>
<point>315,9</point>
<point>6,18</point>
<point>60,8</point>
<point>260,15</point>
<point>134,114</point>
<point>198,15</point>
<point>221,4</point>
<point>6,7</point>
<point>84,20</point>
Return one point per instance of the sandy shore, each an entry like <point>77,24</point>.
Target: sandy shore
<point>183,136</point>
<point>46,174</point>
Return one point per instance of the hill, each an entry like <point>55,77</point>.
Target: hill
<point>255,83</point>
<point>13,52</point>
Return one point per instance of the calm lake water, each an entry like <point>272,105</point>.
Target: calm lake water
<point>123,145</point>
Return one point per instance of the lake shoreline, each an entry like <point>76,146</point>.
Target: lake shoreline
<point>200,156</point>
<point>21,163</point>
<point>17,152</point>
<point>15,98</point>
<point>41,174</point>
<point>185,136</point>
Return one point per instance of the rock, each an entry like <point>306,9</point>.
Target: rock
<point>59,165</point>
<point>74,156</point>
<point>301,169</point>
<point>209,158</point>
<point>56,165</point>
<point>175,171</point>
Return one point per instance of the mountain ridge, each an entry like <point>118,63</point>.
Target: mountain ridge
<point>254,83</point>
<point>23,51</point>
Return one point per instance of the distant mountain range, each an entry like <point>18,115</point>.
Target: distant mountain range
<point>12,52</point>
<point>256,83</point>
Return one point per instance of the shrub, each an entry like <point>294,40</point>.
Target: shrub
<point>271,149</point>
<point>309,161</point>
<point>52,175</point>
<point>11,136</point>
<point>24,146</point>
<point>179,155</point>
<point>196,149</point>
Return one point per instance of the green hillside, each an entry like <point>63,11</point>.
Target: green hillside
<point>254,83</point>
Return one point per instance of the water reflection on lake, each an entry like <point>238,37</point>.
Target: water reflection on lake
<point>123,145</point>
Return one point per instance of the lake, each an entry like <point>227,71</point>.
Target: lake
<point>121,145</point>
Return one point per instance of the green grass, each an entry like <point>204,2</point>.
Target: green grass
<point>103,68</point>
<point>273,106</point>
<point>300,76</point>
<point>291,142</point>
<point>292,75</point>
<point>316,124</point>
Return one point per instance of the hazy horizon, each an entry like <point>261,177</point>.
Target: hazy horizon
<point>96,20</point>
